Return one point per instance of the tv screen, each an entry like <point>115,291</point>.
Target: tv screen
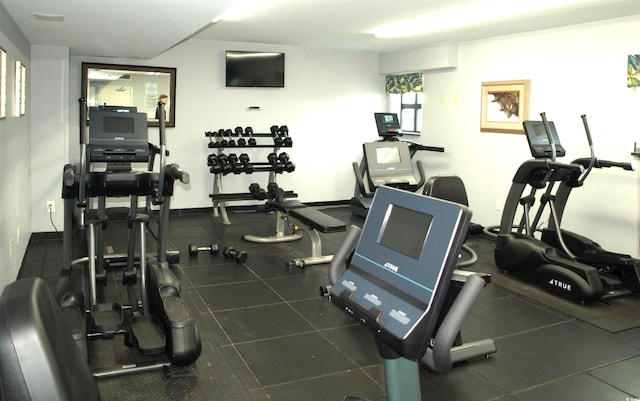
<point>254,69</point>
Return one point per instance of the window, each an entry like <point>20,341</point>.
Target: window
<point>408,106</point>
<point>3,83</point>
<point>405,99</point>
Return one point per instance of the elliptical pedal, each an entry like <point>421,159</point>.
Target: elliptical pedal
<point>147,335</point>
<point>107,318</point>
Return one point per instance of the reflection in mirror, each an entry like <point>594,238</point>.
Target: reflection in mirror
<point>131,86</point>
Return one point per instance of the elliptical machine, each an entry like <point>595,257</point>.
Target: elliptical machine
<point>621,266</point>
<point>159,323</point>
<point>519,252</point>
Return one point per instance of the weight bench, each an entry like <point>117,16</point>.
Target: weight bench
<point>312,220</point>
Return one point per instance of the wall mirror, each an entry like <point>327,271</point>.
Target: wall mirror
<point>130,85</point>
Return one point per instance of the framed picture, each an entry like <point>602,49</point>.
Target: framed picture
<point>505,105</point>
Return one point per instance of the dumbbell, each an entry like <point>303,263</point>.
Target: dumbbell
<point>249,132</point>
<point>236,167</point>
<point>214,162</point>
<point>211,160</point>
<point>229,134</point>
<point>222,142</point>
<point>288,165</point>
<point>230,253</point>
<point>277,139</point>
<point>276,166</point>
<point>274,192</point>
<point>238,131</point>
<point>213,249</point>
<point>257,191</point>
<point>244,160</point>
<point>225,167</point>
<point>210,134</point>
<point>284,133</point>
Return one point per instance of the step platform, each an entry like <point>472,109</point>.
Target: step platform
<point>147,335</point>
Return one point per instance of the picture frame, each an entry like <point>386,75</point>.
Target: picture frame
<point>505,105</point>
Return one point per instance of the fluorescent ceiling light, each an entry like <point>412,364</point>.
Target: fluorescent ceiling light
<point>48,17</point>
<point>243,9</point>
<point>475,13</point>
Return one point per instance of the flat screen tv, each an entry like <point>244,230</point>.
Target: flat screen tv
<point>254,69</point>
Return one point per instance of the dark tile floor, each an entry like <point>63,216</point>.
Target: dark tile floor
<point>267,335</point>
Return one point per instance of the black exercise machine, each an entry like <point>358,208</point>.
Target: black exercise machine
<point>39,358</point>
<point>451,188</point>
<point>160,322</point>
<point>622,266</point>
<point>397,282</point>
<point>555,268</point>
<point>386,162</point>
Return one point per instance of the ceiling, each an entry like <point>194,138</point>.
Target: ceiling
<point>145,28</point>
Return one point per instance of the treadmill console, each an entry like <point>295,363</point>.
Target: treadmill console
<point>388,124</point>
<point>389,163</point>
<point>539,141</point>
<point>401,268</point>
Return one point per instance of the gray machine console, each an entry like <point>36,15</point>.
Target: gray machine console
<point>539,140</point>
<point>118,135</point>
<point>389,163</point>
<point>401,268</point>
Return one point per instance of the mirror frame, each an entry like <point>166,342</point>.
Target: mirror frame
<point>171,121</point>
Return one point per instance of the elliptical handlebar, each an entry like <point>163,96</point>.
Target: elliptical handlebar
<point>547,130</point>
<point>84,162</point>
<point>592,160</point>
<point>163,161</point>
<point>605,164</point>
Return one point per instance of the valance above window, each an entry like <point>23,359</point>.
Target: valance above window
<point>404,83</point>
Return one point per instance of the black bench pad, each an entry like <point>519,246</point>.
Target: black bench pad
<point>310,216</point>
<point>318,220</point>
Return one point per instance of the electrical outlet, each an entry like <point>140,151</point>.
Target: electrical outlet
<point>51,206</point>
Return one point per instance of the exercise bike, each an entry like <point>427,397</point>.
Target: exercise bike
<point>397,281</point>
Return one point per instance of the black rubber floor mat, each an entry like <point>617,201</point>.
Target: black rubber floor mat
<point>617,315</point>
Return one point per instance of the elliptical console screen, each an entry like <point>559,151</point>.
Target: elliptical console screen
<point>118,135</point>
<point>539,141</point>
<point>400,270</point>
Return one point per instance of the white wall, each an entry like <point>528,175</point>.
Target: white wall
<point>49,133</point>
<point>15,213</point>
<point>573,71</point>
<point>327,103</point>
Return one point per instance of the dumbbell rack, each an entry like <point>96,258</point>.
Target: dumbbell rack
<point>279,139</point>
